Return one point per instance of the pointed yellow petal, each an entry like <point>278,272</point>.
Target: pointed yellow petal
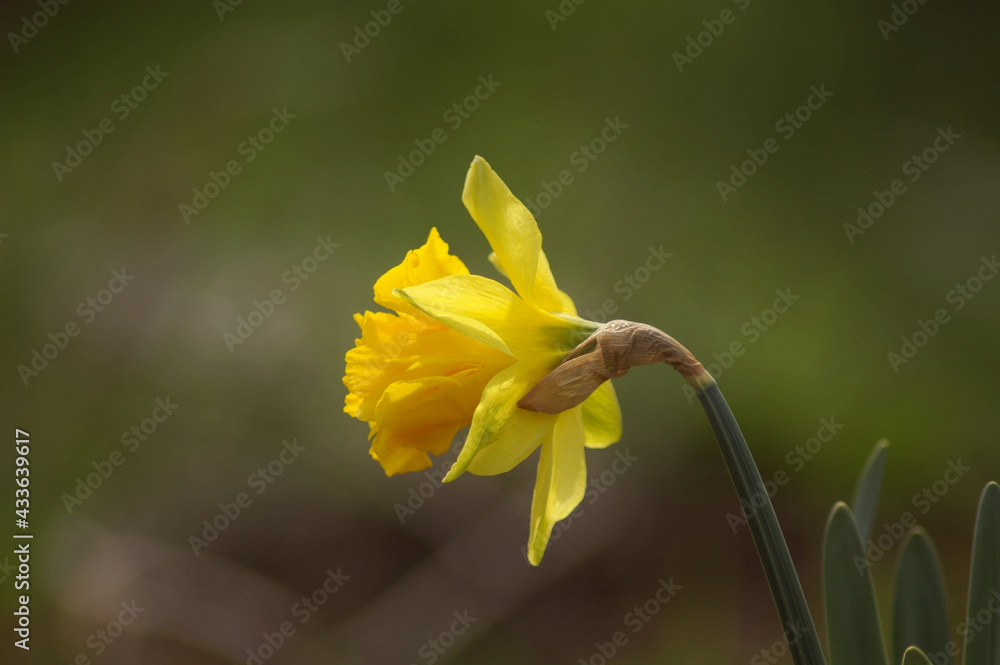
<point>514,236</point>
<point>546,294</point>
<point>497,265</point>
<point>561,482</point>
<point>602,417</point>
<point>507,224</point>
<point>427,263</point>
<point>489,312</point>
<point>502,435</point>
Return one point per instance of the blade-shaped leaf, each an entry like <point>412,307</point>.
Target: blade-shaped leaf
<point>852,622</point>
<point>866,494</point>
<point>982,623</point>
<point>920,609</point>
<point>914,656</point>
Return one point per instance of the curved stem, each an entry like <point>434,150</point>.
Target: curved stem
<point>610,352</point>
<point>796,620</point>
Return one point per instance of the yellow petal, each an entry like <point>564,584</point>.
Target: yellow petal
<point>602,417</point>
<point>546,294</point>
<point>489,312</point>
<point>502,435</point>
<point>389,344</point>
<point>514,236</point>
<point>352,404</point>
<point>427,263</point>
<point>415,418</point>
<point>497,265</point>
<point>402,460</point>
<point>561,482</point>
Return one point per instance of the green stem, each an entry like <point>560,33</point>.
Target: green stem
<point>797,622</point>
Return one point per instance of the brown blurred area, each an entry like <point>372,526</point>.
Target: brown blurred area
<point>245,137</point>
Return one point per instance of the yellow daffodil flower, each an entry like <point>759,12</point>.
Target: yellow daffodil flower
<point>462,350</point>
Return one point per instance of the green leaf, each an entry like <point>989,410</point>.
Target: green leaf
<point>920,608</point>
<point>914,656</point>
<point>852,622</point>
<point>866,493</point>
<point>982,645</point>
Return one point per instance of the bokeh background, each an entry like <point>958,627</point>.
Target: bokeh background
<point>402,578</point>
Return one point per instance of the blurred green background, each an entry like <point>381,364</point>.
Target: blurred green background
<point>331,514</point>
